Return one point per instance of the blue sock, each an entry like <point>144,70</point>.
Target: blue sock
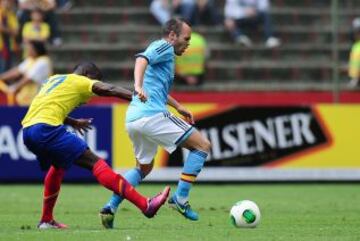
<point>133,176</point>
<point>192,167</point>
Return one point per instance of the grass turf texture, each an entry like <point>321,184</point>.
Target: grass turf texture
<point>290,212</point>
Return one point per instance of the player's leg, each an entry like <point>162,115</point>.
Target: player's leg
<point>118,184</point>
<point>134,177</point>
<point>199,148</point>
<point>170,132</point>
<point>66,148</point>
<point>40,139</point>
<point>145,151</point>
<point>52,184</point>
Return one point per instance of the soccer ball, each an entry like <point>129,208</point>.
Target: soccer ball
<point>245,214</point>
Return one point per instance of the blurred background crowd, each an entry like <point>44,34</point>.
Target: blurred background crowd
<point>236,44</point>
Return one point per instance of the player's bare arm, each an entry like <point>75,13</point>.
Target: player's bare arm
<point>10,75</point>
<point>181,110</point>
<point>104,89</point>
<point>140,67</point>
<point>82,125</point>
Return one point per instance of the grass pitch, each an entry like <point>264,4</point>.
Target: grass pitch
<point>290,212</point>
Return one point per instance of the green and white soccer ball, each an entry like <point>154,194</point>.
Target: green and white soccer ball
<point>245,214</point>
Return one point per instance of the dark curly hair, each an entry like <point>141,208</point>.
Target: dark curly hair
<point>89,70</point>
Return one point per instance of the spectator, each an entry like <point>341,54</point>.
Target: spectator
<point>190,67</point>
<point>206,13</point>
<point>64,5</point>
<point>8,31</point>
<point>354,62</point>
<point>163,10</point>
<point>249,13</point>
<point>192,11</point>
<point>36,29</point>
<point>24,80</point>
<point>48,8</point>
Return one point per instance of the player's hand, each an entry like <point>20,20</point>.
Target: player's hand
<point>187,114</point>
<point>82,125</point>
<point>141,94</point>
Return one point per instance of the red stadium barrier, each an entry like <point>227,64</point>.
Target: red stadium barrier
<point>246,97</point>
<point>255,97</point>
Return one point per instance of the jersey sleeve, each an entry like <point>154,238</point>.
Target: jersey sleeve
<point>84,85</point>
<point>155,54</point>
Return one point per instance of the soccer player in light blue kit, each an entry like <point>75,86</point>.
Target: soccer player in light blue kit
<point>150,124</point>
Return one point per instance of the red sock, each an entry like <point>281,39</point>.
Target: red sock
<point>116,183</point>
<point>52,185</point>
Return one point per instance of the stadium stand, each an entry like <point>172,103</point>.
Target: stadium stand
<point>110,32</point>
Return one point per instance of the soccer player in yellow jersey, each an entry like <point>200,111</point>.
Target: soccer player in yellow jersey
<point>57,149</point>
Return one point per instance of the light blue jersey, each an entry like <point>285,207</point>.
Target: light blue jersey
<point>158,79</point>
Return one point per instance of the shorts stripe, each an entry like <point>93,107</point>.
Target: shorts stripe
<point>179,123</point>
<point>182,122</point>
<point>166,114</point>
<point>180,139</point>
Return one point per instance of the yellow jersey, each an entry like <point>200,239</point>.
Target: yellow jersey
<point>33,32</point>
<point>57,98</point>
